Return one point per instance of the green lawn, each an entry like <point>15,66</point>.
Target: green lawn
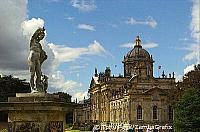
<point>3,130</point>
<point>76,131</point>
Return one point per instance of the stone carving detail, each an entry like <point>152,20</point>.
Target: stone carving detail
<point>37,56</point>
<point>44,83</point>
<point>56,126</point>
<point>27,127</point>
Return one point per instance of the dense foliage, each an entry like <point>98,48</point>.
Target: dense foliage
<point>9,86</point>
<point>187,112</point>
<point>187,108</point>
<point>65,96</point>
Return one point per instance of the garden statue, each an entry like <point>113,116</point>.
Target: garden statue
<point>37,56</point>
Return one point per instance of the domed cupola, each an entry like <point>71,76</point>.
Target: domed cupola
<point>137,52</point>
<point>138,62</point>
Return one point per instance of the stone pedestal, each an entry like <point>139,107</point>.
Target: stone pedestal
<point>36,112</point>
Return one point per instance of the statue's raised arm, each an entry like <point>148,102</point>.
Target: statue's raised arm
<point>36,57</point>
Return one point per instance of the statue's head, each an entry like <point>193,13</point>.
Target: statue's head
<point>39,34</point>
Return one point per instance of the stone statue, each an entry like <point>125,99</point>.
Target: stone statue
<point>138,41</point>
<point>44,81</point>
<point>36,57</point>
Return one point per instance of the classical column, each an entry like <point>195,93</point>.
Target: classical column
<point>129,110</point>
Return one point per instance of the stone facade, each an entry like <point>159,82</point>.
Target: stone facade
<point>136,98</point>
<point>82,116</point>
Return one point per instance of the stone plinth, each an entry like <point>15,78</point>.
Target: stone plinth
<point>36,112</point>
<point>35,95</point>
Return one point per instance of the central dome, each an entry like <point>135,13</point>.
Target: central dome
<point>138,62</point>
<point>137,51</point>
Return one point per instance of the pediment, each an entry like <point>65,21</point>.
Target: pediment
<point>155,90</point>
<point>155,93</point>
<point>134,79</point>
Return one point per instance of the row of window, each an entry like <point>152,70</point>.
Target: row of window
<point>155,113</point>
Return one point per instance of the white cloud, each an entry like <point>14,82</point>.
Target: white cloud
<point>70,18</point>
<point>58,83</point>
<point>80,96</point>
<point>13,45</point>
<point>66,54</point>
<point>76,67</point>
<point>193,52</point>
<point>84,5</point>
<point>194,49</point>
<point>148,45</point>
<point>30,26</point>
<point>149,22</point>
<point>195,23</point>
<point>189,68</point>
<point>178,77</point>
<point>127,45</point>
<point>86,27</point>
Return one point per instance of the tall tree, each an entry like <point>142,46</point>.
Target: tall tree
<point>187,112</point>
<point>9,86</point>
<point>187,109</point>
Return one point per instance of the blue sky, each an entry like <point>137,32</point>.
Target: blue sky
<point>84,34</point>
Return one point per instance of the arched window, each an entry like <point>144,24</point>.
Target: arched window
<point>139,113</point>
<point>170,113</point>
<point>155,113</point>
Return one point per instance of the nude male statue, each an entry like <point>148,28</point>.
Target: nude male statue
<point>36,57</point>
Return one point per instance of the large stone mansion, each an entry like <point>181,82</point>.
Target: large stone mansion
<point>136,98</point>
